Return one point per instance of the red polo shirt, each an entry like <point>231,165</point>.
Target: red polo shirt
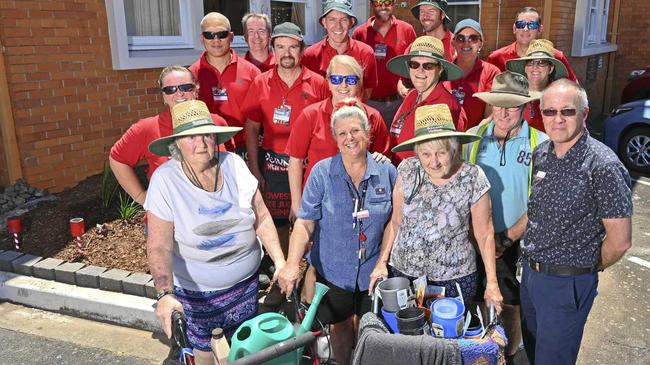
<point>502,55</point>
<point>533,115</point>
<point>311,137</point>
<point>133,146</point>
<point>479,79</point>
<point>399,36</point>
<point>268,92</point>
<point>235,80</point>
<point>450,51</point>
<point>439,95</point>
<point>263,66</point>
<point>317,58</point>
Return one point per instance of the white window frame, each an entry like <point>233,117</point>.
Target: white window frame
<point>139,43</point>
<point>467,2</point>
<point>589,38</point>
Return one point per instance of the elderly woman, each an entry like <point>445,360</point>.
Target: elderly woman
<point>204,212</point>
<point>436,198</point>
<point>344,209</point>
<point>425,66</point>
<point>478,74</point>
<point>541,68</point>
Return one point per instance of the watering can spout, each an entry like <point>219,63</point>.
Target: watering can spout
<point>305,326</point>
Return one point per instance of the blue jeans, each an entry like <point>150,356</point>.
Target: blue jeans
<point>554,310</point>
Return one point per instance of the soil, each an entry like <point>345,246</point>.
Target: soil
<point>108,242</point>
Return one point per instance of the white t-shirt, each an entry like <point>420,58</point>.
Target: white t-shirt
<point>215,244</point>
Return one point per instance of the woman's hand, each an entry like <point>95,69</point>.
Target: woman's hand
<point>288,277</point>
<point>493,296</point>
<point>379,272</point>
<point>377,156</point>
<point>164,308</point>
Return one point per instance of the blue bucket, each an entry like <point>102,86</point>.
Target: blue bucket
<point>391,320</point>
<point>447,318</point>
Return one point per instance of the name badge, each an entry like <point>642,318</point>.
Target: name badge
<point>281,115</point>
<point>540,175</point>
<point>380,50</point>
<point>361,214</point>
<point>219,94</point>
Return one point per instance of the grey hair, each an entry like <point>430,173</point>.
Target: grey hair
<point>169,69</point>
<point>450,144</point>
<point>350,112</point>
<point>174,151</point>
<point>581,100</point>
<point>262,16</point>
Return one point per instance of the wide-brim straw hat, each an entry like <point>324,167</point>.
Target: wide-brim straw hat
<point>434,122</point>
<point>439,4</point>
<point>539,49</point>
<point>344,6</point>
<point>190,118</point>
<point>425,46</point>
<point>509,90</point>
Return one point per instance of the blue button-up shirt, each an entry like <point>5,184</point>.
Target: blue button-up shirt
<point>329,199</point>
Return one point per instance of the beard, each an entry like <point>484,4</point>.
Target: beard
<point>288,62</point>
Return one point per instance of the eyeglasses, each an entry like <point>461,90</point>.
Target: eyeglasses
<point>349,79</point>
<point>428,66</point>
<point>461,38</point>
<point>521,24</point>
<point>222,34</point>
<point>171,90</point>
<point>258,32</point>
<point>538,63</point>
<point>568,112</point>
<point>382,2</point>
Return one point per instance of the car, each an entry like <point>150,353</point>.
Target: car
<point>627,132</point>
<point>638,86</point>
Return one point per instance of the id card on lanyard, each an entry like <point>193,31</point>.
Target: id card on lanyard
<point>282,114</point>
<point>381,50</point>
<point>219,94</point>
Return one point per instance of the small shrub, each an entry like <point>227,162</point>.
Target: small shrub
<point>128,208</point>
<point>108,187</point>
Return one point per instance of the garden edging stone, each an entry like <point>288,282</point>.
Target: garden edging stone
<point>25,264</point>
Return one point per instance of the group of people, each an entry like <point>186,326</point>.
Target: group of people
<point>373,155</point>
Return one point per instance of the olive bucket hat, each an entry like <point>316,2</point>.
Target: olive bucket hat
<point>438,4</point>
<point>190,118</point>
<point>344,6</point>
<point>539,49</point>
<point>434,122</point>
<point>425,46</point>
<point>509,90</point>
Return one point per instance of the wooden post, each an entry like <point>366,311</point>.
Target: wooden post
<point>546,19</point>
<point>7,125</point>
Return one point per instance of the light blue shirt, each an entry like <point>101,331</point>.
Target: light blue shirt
<point>328,200</point>
<point>509,192</point>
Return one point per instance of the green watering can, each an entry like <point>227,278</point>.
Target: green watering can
<point>267,329</point>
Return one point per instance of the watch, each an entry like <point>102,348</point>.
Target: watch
<point>161,293</point>
<point>505,240</point>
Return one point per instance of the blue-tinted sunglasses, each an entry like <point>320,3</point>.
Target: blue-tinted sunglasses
<point>521,24</point>
<point>349,79</point>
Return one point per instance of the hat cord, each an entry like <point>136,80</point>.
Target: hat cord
<point>194,178</point>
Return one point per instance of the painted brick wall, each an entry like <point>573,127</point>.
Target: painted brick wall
<point>69,104</point>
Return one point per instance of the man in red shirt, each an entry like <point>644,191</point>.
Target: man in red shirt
<point>257,34</point>
<point>389,37</point>
<point>275,100</point>
<point>338,19</point>
<point>223,75</point>
<point>432,15</point>
<point>526,28</point>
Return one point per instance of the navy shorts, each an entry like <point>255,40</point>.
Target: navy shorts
<point>339,304</point>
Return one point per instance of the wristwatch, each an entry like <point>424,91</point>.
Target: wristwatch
<point>163,292</point>
<point>505,240</point>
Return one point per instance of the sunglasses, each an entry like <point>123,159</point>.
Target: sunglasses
<point>521,24</point>
<point>171,90</point>
<point>564,112</point>
<point>382,2</point>
<point>538,63</point>
<point>349,79</point>
<point>222,34</point>
<point>428,66</point>
<point>461,38</point>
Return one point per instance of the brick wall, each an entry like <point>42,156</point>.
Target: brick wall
<point>69,104</point>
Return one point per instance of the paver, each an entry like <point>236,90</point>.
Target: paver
<point>150,290</point>
<point>89,276</point>
<point>6,259</point>
<point>134,283</point>
<point>24,264</point>
<point>112,279</point>
<point>65,273</point>
<point>44,269</point>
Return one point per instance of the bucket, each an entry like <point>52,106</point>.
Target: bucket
<point>447,318</point>
<point>412,322</point>
<point>394,293</point>
<point>390,319</point>
<point>474,326</point>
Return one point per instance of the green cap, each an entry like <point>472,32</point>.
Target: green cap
<point>287,29</point>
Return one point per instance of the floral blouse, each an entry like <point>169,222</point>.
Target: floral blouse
<point>433,238</point>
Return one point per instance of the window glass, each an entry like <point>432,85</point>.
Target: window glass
<point>233,10</point>
<point>288,11</point>
<point>459,10</point>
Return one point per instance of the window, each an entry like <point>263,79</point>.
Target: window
<point>590,28</point>
<point>157,24</point>
<point>461,9</point>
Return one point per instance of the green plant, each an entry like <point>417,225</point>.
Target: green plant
<point>128,208</point>
<point>108,187</point>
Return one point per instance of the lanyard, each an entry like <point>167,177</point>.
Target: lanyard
<point>359,203</point>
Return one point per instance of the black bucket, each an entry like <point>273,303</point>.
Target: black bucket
<point>411,321</point>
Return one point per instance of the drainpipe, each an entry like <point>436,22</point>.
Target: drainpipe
<point>607,104</point>
<point>496,46</point>
<point>7,125</point>
<point>547,19</point>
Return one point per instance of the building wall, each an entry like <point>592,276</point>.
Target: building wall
<point>69,105</point>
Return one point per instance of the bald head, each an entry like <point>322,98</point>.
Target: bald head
<point>215,19</point>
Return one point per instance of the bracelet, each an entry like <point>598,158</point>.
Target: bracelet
<point>163,292</point>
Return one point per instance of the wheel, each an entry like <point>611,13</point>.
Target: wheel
<point>634,149</point>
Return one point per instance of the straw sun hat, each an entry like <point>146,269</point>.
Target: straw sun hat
<point>425,46</point>
<point>434,122</point>
<point>190,118</point>
<point>539,49</point>
<point>509,90</point>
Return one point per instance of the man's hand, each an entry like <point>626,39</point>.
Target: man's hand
<point>377,156</point>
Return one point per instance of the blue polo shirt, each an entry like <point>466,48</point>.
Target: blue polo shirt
<point>328,200</point>
<point>508,176</point>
